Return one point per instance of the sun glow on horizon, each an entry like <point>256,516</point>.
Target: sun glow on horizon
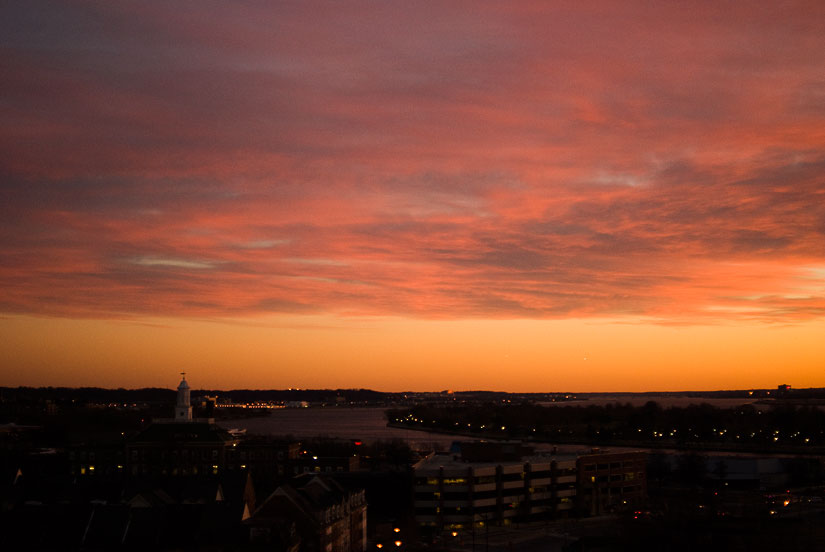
<point>394,354</point>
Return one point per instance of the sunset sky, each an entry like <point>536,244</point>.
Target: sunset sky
<point>521,196</point>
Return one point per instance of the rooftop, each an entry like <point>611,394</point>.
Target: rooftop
<point>197,432</point>
<point>446,460</point>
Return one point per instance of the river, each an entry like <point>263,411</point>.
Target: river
<point>370,424</point>
<point>364,424</point>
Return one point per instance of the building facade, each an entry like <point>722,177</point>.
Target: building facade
<point>493,483</point>
<point>454,493</point>
<point>610,482</point>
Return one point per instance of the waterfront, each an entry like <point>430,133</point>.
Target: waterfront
<point>370,424</point>
<point>365,424</point>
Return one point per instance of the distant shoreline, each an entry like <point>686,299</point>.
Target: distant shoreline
<point>640,444</point>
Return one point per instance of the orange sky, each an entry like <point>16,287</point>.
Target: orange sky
<point>413,195</point>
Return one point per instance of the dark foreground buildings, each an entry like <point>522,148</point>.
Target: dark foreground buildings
<point>185,483</point>
<point>182,483</point>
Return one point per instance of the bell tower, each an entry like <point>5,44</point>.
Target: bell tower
<point>183,408</point>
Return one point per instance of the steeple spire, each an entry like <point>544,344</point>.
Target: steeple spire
<point>183,408</point>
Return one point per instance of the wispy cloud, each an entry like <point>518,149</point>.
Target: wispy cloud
<point>172,263</point>
<point>454,161</point>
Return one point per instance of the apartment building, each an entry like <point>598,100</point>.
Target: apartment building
<point>455,491</point>
<point>480,483</point>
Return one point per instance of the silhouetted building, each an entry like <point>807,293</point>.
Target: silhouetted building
<point>312,514</point>
<point>97,513</point>
<point>192,448</point>
<point>325,464</point>
<point>611,481</point>
<point>182,445</point>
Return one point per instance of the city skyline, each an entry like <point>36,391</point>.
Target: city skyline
<point>413,197</point>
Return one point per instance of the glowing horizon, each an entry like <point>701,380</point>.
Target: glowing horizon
<point>398,195</point>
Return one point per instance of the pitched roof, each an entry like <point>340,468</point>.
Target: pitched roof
<point>315,495</point>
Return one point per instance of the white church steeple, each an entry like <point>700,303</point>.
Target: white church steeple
<point>183,408</point>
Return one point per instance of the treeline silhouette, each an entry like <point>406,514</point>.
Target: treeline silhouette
<point>746,426</point>
<point>154,394</point>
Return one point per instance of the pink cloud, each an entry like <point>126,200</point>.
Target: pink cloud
<point>443,162</point>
